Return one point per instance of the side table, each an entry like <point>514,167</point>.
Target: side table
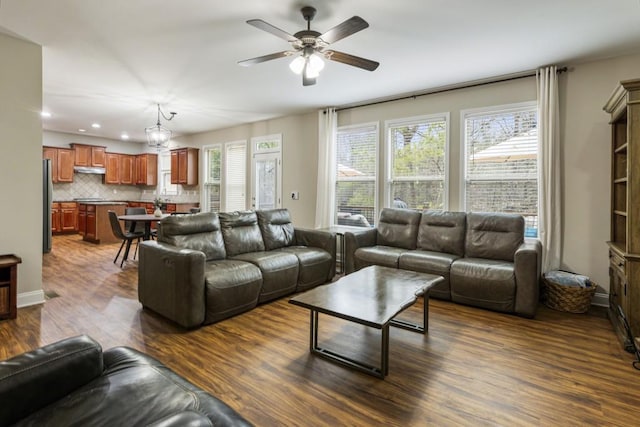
<point>8,286</point>
<point>339,232</point>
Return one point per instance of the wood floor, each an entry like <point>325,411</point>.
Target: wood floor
<point>474,367</point>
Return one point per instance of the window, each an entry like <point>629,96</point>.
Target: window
<point>165,175</point>
<point>212,178</point>
<point>235,176</point>
<point>266,172</point>
<point>417,162</point>
<point>356,153</point>
<point>501,162</point>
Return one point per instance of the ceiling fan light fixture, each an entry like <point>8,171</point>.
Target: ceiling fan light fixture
<point>159,136</point>
<point>297,65</point>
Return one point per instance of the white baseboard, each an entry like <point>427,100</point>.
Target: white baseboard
<point>26,299</point>
<point>600,299</point>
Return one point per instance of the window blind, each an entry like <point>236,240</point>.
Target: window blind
<point>501,163</point>
<point>356,152</point>
<point>235,166</point>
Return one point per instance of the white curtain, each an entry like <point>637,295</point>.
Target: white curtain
<point>549,205</point>
<point>326,186</point>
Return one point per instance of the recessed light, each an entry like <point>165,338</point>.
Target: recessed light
<point>82,130</point>
<point>45,114</point>
<point>124,136</point>
<point>95,125</point>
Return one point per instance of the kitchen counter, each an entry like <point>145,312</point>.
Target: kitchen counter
<point>93,220</point>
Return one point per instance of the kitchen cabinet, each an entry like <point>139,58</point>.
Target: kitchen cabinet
<point>89,155</point>
<point>112,175</point>
<point>62,162</point>
<point>98,227</point>
<point>146,169</point>
<point>82,218</point>
<point>9,286</point>
<point>55,217</point>
<point>64,217</point>
<point>184,166</point>
<point>127,165</point>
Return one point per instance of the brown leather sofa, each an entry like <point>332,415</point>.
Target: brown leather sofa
<point>484,257</point>
<point>73,383</point>
<point>207,267</point>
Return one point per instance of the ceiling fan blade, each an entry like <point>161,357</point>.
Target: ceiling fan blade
<point>353,60</point>
<point>259,59</point>
<point>340,31</point>
<point>265,26</point>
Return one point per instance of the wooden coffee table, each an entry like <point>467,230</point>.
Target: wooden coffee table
<point>372,297</point>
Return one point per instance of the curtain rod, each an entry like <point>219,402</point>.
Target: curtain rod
<point>450,88</point>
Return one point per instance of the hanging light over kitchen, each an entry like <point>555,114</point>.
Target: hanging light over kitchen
<point>159,136</point>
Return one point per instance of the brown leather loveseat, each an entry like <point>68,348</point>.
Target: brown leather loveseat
<point>484,257</point>
<point>207,267</point>
<point>74,383</point>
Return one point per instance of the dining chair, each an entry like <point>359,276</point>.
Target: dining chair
<point>126,236</point>
<point>139,225</point>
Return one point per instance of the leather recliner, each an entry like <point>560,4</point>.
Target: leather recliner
<point>74,383</point>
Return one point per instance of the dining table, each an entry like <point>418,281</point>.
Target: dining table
<point>147,219</point>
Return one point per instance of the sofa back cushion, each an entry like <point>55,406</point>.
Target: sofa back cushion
<point>241,232</point>
<point>442,232</point>
<point>493,235</point>
<point>276,227</point>
<point>398,228</point>
<point>200,232</point>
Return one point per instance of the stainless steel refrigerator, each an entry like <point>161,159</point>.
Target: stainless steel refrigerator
<point>47,195</point>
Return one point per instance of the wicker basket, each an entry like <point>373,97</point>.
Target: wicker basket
<point>567,298</point>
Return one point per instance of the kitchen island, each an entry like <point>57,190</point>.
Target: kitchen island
<point>93,220</point>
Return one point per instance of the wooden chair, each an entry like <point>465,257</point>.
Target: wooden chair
<point>126,236</point>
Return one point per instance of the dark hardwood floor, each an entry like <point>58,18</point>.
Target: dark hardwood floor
<point>474,367</point>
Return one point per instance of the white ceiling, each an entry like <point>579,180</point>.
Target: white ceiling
<point>111,61</point>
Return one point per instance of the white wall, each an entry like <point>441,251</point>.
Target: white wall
<point>299,157</point>
<point>21,162</point>
<point>586,164</point>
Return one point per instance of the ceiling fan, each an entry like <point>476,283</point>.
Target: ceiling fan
<point>312,46</point>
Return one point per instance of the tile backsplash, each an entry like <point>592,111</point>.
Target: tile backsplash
<point>91,185</point>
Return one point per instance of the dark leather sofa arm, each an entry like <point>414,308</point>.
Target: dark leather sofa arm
<point>171,282</point>
<point>35,379</point>
<point>210,410</point>
<point>527,265</point>
<point>318,239</point>
<point>354,240</point>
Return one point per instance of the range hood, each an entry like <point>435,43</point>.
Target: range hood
<point>89,169</point>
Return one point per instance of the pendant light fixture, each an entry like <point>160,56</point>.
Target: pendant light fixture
<point>159,136</point>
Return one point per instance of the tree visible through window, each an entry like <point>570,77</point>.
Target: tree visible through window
<point>501,163</point>
<point>418,166</point>
<point>356,152</point>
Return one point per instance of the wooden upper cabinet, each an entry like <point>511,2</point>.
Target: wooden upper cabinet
<point>61,163</point>
<point>113,168</point>
<point>66,159</point>
<point>147,169</point>
<point>184,166</point>
<point>127,165</point>
<point>89,155</point>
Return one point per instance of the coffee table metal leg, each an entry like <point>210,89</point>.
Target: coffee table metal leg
<point>384,351</point>
<point>413,326</point>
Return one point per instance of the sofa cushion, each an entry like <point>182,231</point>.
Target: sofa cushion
<point>442,232</point>
<point>493,235</point>
<point>438,263</point>
<point>398,228</point>
<point>231,287</point>
<point>241,232</point>
<point>276,227</point>
<point>279,272</point>
<point>313,263</point>
<point>484,283</point>
<point>199,232</point>
<point>386,256</point>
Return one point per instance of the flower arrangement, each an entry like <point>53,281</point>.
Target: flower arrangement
<point>157,203</point>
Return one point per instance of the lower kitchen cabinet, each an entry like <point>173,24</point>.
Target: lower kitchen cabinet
<point>64,217</point>
<point>97,224</point>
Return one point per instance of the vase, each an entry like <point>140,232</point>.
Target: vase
<point>157,213</point>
